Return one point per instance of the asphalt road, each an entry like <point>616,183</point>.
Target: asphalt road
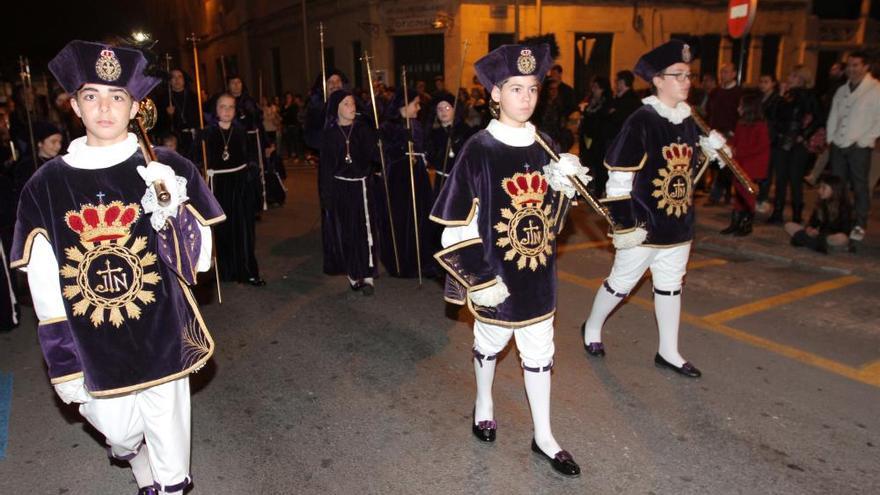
<point>315,389</point>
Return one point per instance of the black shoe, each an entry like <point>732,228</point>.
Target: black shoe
<point>368,289</point>
<point>256,281</point>
<point>735,220</point>
<point>562,462</point>
<point>148,490</point>
<point>687,369</point>
<point>595,349</point>
<point>745,225</point>
<point>484,430</point>
<point>775,218</point>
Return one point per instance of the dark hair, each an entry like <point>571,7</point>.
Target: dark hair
<point>772,77</point>
<point>604,84</point>
<point>557,67</point>
<point>829,210</point>
<point>752,110</point>
<point>627,77</point>
<point>859,54</point>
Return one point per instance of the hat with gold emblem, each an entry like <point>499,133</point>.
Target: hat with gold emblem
<point>508,61</point>
<point>83,62</point>
<point>657,60</point>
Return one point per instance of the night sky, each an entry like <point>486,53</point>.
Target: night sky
<point>39,29</point>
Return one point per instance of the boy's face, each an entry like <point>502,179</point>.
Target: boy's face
<point>225,109</point>
<point>445,113</point>
<point>105,112</point>
<point>668,84</point>
<point>517,97</point>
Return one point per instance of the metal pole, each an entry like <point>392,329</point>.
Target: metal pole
<point>306,44</point>
<point>194,41</point>
<point>366,59</point>
<point>412,178</point>
<point>742,52</point>
<point>323,65</point>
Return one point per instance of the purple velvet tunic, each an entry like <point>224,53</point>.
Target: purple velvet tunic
<point>519,218</point>
<point>662,155</point>
<point>131,321</point>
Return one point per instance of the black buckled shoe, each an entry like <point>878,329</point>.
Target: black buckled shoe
<point>563,463</point>
<point>595,349</point>
<point>687,369</point>
<point>148,490</point>
<point>256,281</point>
<point>485,430</point>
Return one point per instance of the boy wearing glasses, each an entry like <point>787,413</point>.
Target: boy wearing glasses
<point>650,192</point>
<point>502,207</point>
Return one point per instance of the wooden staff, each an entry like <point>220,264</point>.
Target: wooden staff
<point>195,41</point>
<point>412,176</point>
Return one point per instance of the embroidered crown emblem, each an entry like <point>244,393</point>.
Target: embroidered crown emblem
<point>678,155</point>
<point>102,222</point>
<point>526,189</point>
<point>526,62</point>
<point>108,67</point>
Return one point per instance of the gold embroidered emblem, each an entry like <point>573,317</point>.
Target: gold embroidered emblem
<point>526,63</point>
<point>108,67</point>
<point>673,187</point>
<point>109,274</point>
<point>528,231</point>
<point>686,53</point>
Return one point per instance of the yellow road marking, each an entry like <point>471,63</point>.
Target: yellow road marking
<point>696,265</point>
<point>582,245</point>
<point>868,374</point>
<point>779,300</point>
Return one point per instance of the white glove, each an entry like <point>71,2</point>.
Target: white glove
<point>73,391</point>
<point>490,296</point>
<point>175,185</point>
<point>712,143</point>
<point>630,239</point>
<point>557,174</point>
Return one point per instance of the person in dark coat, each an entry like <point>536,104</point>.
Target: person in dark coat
<point>230,178</point>
<point>445,139</point>
<point>596,131</point>
<point>798,117</point>
<point>348,221</point>
<point>403,173</point>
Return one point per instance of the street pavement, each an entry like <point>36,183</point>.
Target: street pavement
<point>317,390</point>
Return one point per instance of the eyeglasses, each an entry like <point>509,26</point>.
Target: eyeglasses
<point>679,76</point>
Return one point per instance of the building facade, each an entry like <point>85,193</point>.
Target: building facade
<point>275,44</point>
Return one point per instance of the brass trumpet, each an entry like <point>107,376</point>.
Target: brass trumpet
<point>728,160</point>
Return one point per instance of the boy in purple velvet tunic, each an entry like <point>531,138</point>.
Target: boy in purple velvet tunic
<point>502,208</point>
<point>109,269</point>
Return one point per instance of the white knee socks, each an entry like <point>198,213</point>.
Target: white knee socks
<point>484,369</point>
<point>538,392</point>
<point>603,305</point>
<point>140,467</point>
<point>667,309</point>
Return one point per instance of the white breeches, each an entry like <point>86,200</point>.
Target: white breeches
<point>534,342</point>
<point>160,416</point>
<point>668,267</point>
